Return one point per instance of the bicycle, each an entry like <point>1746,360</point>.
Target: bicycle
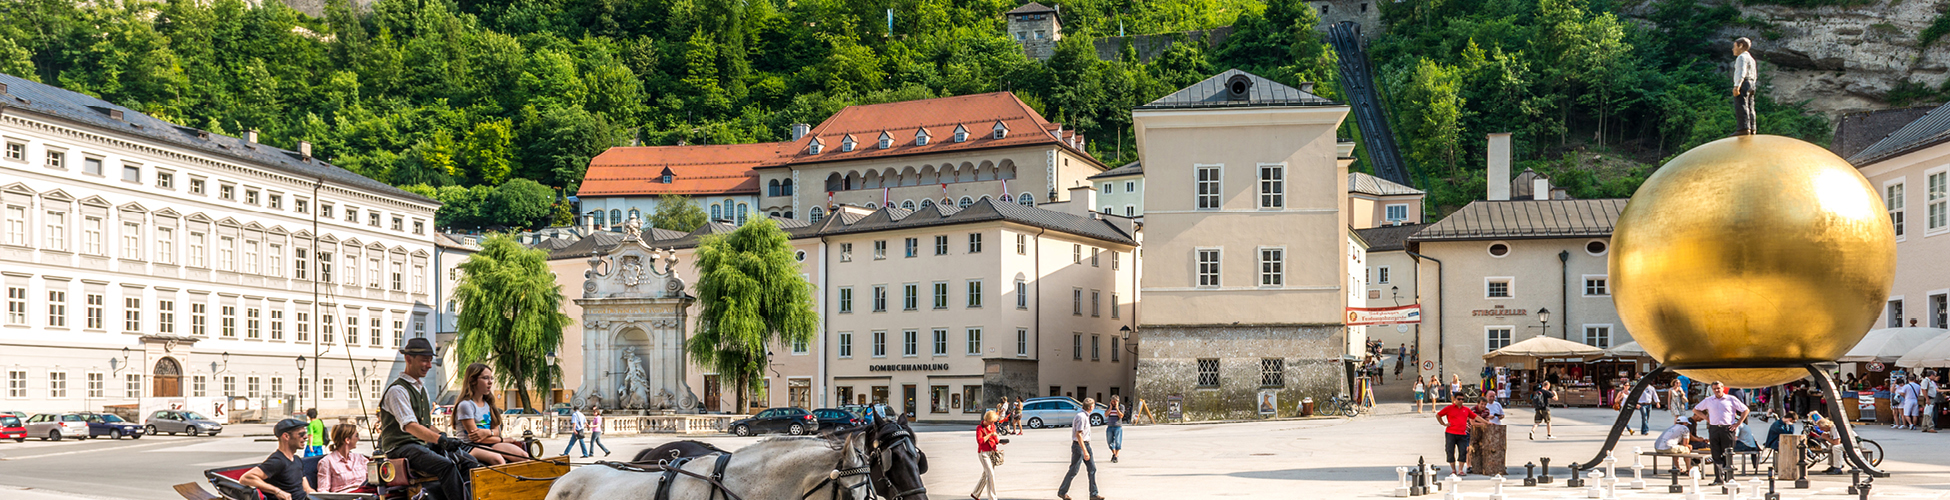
<point>1342,405</point>
<point>1818,449</point>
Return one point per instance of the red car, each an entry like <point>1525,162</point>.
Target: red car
<point>11,428</point>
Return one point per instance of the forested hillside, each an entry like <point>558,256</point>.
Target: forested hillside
<point>456,98</point>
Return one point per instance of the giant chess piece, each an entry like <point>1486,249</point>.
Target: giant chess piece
<point>1529,474</point>
<point>1611,473</point>
<point>1694,493</point>
<point>1455,487</point>
<point>1638,468</point>
<point>1597,488</point>
<point>1574,481</point>
<point>1497,494</point>
<point>1401,482</point>
<point>1546,478</point>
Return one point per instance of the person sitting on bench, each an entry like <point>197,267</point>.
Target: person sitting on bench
<point>280,477</point>
<point>1681,440</point>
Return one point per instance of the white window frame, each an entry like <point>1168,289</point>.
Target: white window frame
<point>1218,267</point>
<point>1897,204</point>
<point>879,343</point>
<point>1936,201</point>
<point>1382,274</point>
<point>1507,247</point>
<point>1022,342</point>
<point>973,337</point>
<point>1511,330</point>
<point>1272,192</point>
<point>1386,216</point>
<point>1586,285</point>
<point>845,345</point>
<point>1509,285</point>
<point>1218,186</point>
<point>1611,334</point>
<point>1278,274</point>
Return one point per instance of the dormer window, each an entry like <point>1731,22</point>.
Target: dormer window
<point>815,147</point>
<point>886,140</point>
<point>961,133</point>
<point>667,176</point>
<point>921,137</point>
<point>846,144</point>
<point>1001,130</point>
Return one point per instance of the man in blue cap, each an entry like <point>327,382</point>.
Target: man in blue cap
<point>405,431</point>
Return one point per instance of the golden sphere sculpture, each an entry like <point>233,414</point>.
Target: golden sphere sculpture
<point>1746,257</point>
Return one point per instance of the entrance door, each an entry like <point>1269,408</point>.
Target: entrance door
<point>907,400</point>
<point>711,393</point>
<point>168,379</point>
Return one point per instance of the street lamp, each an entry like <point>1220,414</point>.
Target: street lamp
<point>303,385</point>
<point>1126,331</point>
<point>1544,316</point>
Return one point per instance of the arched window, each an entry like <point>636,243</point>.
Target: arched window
<point>772,187</point>
<point>615,216</point>
<point>1027,200</point>
<point>1008,199</point>
<point>908,204</point>
<point>776,214</point>
<point>817,214</point>
<point>717,212</point>
<point>742,208</point>
<point>635,215</point>
<point>871,206</point>
<point>785,188</point>
<point>925,203</point>
<point>599,218</point>
<point>965,202</point>
<point>788,214</point>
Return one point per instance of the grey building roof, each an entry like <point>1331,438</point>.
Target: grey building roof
<point>1388,238</point>
<point>1132,168</point>
<point>1358,182</point>
<point>1211,93</point>
<point>1526,219</point>
<point>1032,8</point>
<point>1931,129</point>
<point>69,105</point>
<point>1856,131</point>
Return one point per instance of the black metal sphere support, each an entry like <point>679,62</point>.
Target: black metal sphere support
<point>1843,428</point>
<point>1624,418</point>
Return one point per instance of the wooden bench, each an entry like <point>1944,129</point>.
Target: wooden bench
<point>1656,470</point>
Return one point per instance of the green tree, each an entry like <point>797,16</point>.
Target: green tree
<point>487,152</point>
<point>521,203</point>
<point>752,298</point>
<point>677,213</point>
<point>511,315</point>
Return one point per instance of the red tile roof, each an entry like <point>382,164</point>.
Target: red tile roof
<point>978,113</point>
<point>706,169</point>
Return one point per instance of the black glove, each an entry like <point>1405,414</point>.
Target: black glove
<point>450,443</point>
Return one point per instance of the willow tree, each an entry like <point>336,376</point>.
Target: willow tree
<point>510,315</point>
<point>752,297</point>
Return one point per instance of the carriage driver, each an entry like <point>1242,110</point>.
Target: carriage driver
<point>405,420</point>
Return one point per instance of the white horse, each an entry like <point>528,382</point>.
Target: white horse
<point>782,468</point>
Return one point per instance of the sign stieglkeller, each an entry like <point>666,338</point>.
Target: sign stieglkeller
<point>908,367</point>
<point>1499,311</point>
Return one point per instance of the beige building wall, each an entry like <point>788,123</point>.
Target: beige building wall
<point>1459,316</point>
<point>1043,261</point>
<point>1922,271</point>
<point>1367,210</point>
<point>1033,170</point>
<point>1390,288</point>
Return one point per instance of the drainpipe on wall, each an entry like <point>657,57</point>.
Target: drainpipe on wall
<point>1038,324</point>
<point>1441,333</point>
<point>825,319</point>
<point>1564,289</point>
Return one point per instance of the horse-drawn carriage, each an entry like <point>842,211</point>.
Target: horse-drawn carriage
<point>859,463</point>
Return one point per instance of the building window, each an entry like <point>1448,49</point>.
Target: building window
<point>91,236</point>
<point>1094,253</point>
<point>228,321</point>
<point>16,305</point>
<point>1381,275</point>
<point>199,318</point>
<point>91,166</point>
<point>226,253</point>
<point>846,344</point>
<point>277,324</point>
<point>1022,341</point>
<point>1106,189</point>
<point>1272,266</point>
<point>251,322</point>
<point>1114,258</point>
<point>880,344</point>
<point>57,385</point>
<point>304,327</point>
<point>1497,288</point>
<point>1022,244</point>
<point>1893,198</point>
<point>941,341</point>
<point>1496,337</point>
<point>96,310</point>
<point>816,214</point>
<point>974,341</point>
<point>879,249</point>
<point>250,257</point>
<point>910,343</point>
<point>1499,249</point>
<point>251,386</point>
<point>1895,313</point>
<point>399,277</point>
<point>846,300</point>
<point>911,297</point>
<point>1096,303</point>
<point>1208,267</point>
<point>16,225</point>
<point>1939,311</point>
<point>57,308</point>
<point>1272,372</point>
<point>1076,253</point>
<point>16,151</point>
<point>132,241</point>
<point>912,247</point>
<point>16,384</point>
<point>880,298</point>
<point>940,295</point>
<point>1936,201</point>
<point>95,384</point>
<point>941,245</point>
<point>1207,180</point>
<point>1076,346</point>
<point>1095,352</point>
<point>1208,372</point>
<point>1076,301</point>
<point>1598,336</point>
<point>132,314</point>
<point>57,159</point>
<point>57,231</point>
<point>1395,213</point>
<point>1272,186</point>
<point>166,316</point>
<point>974,293</point>
<point>1022,294</point>
<point>419,278</point>
<point>846,252</point>
<point>1115,306</point>
<point>1596,286</point>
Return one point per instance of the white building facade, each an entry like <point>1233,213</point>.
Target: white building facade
<point>149,266</point>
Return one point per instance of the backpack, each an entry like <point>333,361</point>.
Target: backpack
<point>1538,399</point>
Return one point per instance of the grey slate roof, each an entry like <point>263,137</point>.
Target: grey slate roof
<point>69,105</point>
<point>1526,219</point>
<point>1358,182</point>
<point>1931,129</point>
<point>1388,238</point>
<point>1132,168</point>
<point>1210,93</point>
<point>1031,8</point>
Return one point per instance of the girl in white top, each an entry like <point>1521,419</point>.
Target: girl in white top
<point>475,418</point>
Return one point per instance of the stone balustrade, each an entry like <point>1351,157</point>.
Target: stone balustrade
<point>556,427</point>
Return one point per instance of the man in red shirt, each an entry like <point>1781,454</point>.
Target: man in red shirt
<point>1456,418</point>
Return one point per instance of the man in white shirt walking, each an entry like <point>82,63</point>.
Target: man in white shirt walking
<point>578,424</point>
<point>1929,396</point>
<point>1647,400</point>
<point>1080,452</point>
<point>1744,76</point>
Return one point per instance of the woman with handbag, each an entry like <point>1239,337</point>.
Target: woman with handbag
<point>988,451</point>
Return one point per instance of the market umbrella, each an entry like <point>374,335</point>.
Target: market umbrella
<point>1546,347</point>
<point>1888,344</point>
<point>1935,352</point>
<point>1627,350</point>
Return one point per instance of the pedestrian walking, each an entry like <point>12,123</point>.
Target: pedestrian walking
<point>1455,420</point>
<point>1080,452</point>
<point>1908,393</point>
<point>1401,360</point>
<point>1647,400</point>
<point>316,429</point>
<point>1455,386</point>
<point>1421,394</point>
<point>1724,414</point>
<point>1438,392</point>
<point>577,425</point>
<point>1114,427</point>
<point>1676,401</point>
<point>987,446</point>
<point>1541,399</point>
<point>596,431</point>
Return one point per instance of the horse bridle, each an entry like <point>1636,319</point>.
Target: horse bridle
<point>900,436</point>
<point>862,491</point>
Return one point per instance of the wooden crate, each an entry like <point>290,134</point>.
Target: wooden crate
<point>491,485</point>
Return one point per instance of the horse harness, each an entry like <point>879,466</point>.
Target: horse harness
<point>672,469</point>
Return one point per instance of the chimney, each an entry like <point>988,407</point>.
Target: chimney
<point>1541,189</point>
<point>250,137</point>
<point>1083,201</point>
<point>3,87</point>
<point>799,130</point>
<point>115,114</point>
<point>1499,166</point>
<point>1307,87</point>
<point>304,150</point>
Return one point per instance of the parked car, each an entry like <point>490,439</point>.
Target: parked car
<point>12,428</point>
<point>16,414</point>
<point>108,424</point>
<point>871,411</point>
<point>794,421</point>
<point>834,418</point>
<point>58,426</point>
<point>516,412</point>
<point>1056,411</point>
<point>187,422</point>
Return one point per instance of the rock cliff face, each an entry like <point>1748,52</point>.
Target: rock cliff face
<point>1844,58</point>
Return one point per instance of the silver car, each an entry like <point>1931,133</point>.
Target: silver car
<point>181,421</point>
<point>58,426</point>
<point>1057,411</point>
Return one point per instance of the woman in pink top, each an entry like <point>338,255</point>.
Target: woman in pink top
<point>342,471</point>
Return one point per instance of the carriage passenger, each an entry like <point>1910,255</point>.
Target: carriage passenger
<point>281,477</point>
<point>475,417</point>
<point>342,471</point>
<point>404,432</point>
